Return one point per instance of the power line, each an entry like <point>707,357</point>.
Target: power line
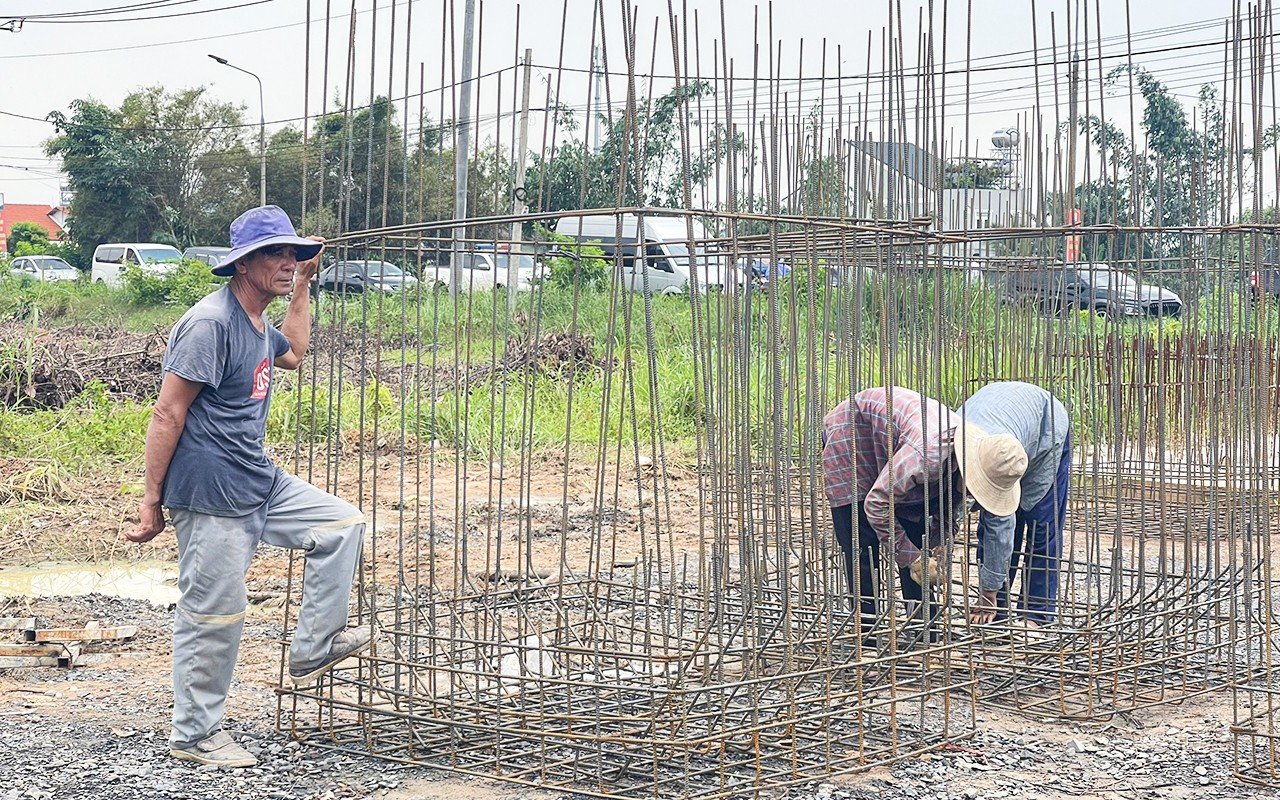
<point>147,4</point>
<point>77,21</point>
<point>175,42</point>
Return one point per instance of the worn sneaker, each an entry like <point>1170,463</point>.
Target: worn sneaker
<point>345,644</point>
<point>219,750</point>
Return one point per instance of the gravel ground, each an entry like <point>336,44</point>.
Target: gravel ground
<point>100,731</point>
<point>996,764</point>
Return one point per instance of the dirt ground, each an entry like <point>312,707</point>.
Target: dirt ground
<point>109,718</point>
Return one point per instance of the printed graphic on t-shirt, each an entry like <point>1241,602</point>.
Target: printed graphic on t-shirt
<point>261,380</point>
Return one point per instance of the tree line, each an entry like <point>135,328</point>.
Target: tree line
<point>177,166</point>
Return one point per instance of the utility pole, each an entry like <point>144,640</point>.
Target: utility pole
<point>462,148</point>
<point>519,204</point>
<point>597,77</point>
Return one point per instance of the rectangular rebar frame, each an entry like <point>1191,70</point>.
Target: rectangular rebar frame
<point>573,632</point>
<point>615,691</point>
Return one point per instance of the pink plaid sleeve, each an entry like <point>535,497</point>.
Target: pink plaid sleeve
<point>837,456</point>
<point>899,479</point>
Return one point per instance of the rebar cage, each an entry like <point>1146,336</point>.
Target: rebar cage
<point>601,556</point>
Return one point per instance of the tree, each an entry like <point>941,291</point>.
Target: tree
<point>363,171</point>
<point>28,236</point>
<point>645,156</point>
<point>972,173</point>
<point>169,167</point>
<point>1179,179</point>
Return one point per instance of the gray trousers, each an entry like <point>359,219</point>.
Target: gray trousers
<point>213,556</point>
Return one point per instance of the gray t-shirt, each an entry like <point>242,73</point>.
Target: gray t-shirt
<point>220,466</point>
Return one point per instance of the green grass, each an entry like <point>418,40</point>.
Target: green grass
<point>91,436</point>
<point>775,366</point>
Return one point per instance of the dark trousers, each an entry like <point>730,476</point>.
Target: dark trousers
<point>1037,540</point>
<point>863,585</point>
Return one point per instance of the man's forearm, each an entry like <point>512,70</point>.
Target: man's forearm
<point>296,326</point>
<point>163,433</point>
<point>886,527</point>
<point>997,551</point>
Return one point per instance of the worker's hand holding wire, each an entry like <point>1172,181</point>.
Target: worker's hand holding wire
<point>984,610</point>
<point>930,564</point>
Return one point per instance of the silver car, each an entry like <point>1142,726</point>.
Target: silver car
<point>46,269</point>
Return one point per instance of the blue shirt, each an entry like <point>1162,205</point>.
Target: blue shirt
<point>220,465</point>
<point>1039,421</point>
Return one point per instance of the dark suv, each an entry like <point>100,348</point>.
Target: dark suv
<point>1093,287</point>
<point>1266,278</point>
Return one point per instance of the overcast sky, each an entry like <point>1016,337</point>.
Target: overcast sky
<point>49,64</point>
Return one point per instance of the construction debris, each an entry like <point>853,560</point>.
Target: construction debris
<point>37,646</point>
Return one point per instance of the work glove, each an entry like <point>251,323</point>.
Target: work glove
<point>932,566</point>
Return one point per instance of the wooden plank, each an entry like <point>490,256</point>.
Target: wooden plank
<point>88,634</point>
<point>17,623</point>
<point>38,655</point>
<point>36,650</point>
<point>16,662</point>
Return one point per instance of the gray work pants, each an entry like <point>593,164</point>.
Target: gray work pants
<point>213,556</point>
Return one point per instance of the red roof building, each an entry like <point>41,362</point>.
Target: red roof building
<point>52,218</point>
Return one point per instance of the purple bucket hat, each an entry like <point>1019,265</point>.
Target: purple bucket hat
<point>262,227</point>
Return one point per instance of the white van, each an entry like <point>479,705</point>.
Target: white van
<point>664,245</point>
<point>109,260</point>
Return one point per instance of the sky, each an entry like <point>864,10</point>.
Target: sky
<point>987,78</point>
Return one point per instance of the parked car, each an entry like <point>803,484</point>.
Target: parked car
<point>1265,279</point>
<point>762,271</point>
<point>353,277</point>
<point>109,260</point>
<point>487,267</point>
<point>213,256</point>
<point>1094,287</point>
<point>662,245</point>
<point>46,269</point>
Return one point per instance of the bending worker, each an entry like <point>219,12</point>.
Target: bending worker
<point>1015,454</point>
<point>883,444</point>
<point>205,461</point>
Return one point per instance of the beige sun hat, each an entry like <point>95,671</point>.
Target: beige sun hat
<point>992,466</point>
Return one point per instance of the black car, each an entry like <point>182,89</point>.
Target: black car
<point>1093,287</point>
<point>352,277</point>
<point>1266,278</point>
<point>213,256</point>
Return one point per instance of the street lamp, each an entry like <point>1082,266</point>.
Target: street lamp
<point>262,129</point>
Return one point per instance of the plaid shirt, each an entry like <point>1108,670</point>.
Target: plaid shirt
<point>896,487</point>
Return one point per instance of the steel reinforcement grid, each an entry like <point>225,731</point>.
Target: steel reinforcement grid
<point>588,433</point>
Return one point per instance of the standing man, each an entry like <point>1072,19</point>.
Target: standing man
<point>888,451</point>
<point>206,462</point>
<point>1015,454</point>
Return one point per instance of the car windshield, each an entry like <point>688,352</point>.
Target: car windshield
<point>678,252</point>
<point>153,254</point>
<point>382,269</point>
<point>524,261</point>
<point>52,263</point>
<point>1109,279</point>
